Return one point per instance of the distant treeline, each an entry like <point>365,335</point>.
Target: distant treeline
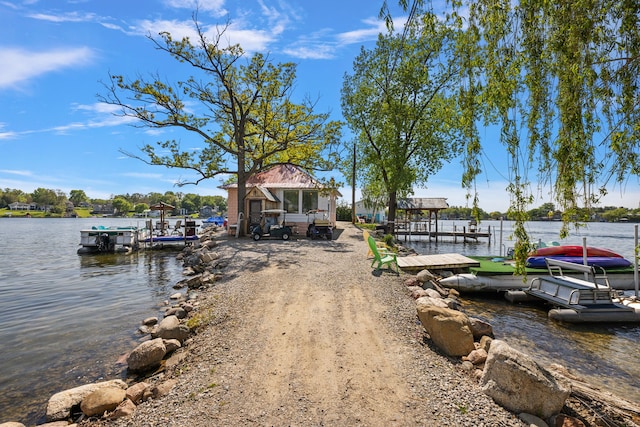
<point>546,212</point>
<point>57,201</point>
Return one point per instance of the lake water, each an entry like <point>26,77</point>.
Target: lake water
<point>67,318</point>
<point>607,355</point>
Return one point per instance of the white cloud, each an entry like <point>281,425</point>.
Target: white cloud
<point>312,52</point>
<point>16,172</point>
<point>8,135</point>
<point>373,27</point>
<point>213,7</point>
<point>26,65</point>
<point>325,43</point>
<point>140,175</point>
<point>65,17</point>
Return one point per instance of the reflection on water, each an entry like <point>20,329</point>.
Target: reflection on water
<point>605,354</point>
<point>67,318</point>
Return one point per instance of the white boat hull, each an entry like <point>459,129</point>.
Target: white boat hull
<point>468,282</point>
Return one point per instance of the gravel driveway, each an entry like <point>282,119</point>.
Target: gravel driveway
<point>302,333</point>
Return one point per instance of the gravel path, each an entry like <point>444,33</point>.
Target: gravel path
<point>301,333</point>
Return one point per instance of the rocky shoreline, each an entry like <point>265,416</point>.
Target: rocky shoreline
<point>192,365</point>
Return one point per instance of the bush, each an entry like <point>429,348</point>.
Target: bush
<point>389,240</point>
<point>343,212</point>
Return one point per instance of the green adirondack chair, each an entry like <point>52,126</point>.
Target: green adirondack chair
<point>382,257</point>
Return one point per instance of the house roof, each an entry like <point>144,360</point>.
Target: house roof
<point>423,203</point>
<point>281,176</point>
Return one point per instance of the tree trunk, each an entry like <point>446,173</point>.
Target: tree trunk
<point>242,184</point>
<point>391,219</point>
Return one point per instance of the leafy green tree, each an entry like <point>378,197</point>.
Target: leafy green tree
<point>140,207</point>
<point>44,196</point>
<point>374,197</point>
<point>8,196</point>
<point>122,206</point>
<point>399,104</point>
<point>343,211</point>
<point>191,202</point>
<point>171,198</point>
<point>78,196</point>
<point>154,198</point>
<point>241,108</point>
<point>616,214</point>
<point>218,202</point>
<point>495,215</point>
<point>559,79</point>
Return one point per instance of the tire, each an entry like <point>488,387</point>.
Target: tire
<point>256,236</point>
<point>285,236</point>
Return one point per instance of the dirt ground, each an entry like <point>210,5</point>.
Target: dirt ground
<point>307,333</point>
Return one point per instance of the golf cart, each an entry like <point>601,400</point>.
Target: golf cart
<point>318,227</point>
<point>269,225</point>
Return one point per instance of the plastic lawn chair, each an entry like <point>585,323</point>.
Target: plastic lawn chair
<point>379,245</point>
<point>382,257</point>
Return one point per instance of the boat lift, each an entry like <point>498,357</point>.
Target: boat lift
<point>579,301</point>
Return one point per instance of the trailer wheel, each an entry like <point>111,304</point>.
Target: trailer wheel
<point>285,236</point>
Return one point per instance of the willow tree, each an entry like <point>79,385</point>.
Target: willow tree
<point>398,103</point>
<point>240,107</point>
<point>560,80</point>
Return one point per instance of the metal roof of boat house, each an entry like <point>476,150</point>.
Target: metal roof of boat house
<point>423,203</point>
<point>281,176</point>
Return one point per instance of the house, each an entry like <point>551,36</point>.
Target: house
<point>19,206</point>
<point>285,187</point>
<point>207,211</point>
<point>368,215</point>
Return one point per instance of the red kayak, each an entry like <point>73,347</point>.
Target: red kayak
<point>573,251</point>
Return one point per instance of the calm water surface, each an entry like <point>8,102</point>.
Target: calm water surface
<point>605,354</point>
<point>67,318</point>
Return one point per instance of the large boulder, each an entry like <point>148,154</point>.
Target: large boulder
<point>147,355</point>
<point>430,302</point>
<point>125,409</point>
<point>425,276</point>
<point>450,330</point>
<point>170,328</point>
<point>135,393</point>
<point>480,328</point>
<point>515,381</point>
<point>102,400</point>
<point>60,404</point>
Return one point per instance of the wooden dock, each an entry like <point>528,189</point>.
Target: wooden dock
<point>458,234</point>
<point>436,262</point>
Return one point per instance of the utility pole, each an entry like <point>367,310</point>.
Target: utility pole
<point>353,186</point>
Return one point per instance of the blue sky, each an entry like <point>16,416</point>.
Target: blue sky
<point>54,54</point>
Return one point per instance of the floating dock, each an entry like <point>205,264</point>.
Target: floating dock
<point>437,262</point>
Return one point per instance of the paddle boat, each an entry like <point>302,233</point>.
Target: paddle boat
<point>577,254</point>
